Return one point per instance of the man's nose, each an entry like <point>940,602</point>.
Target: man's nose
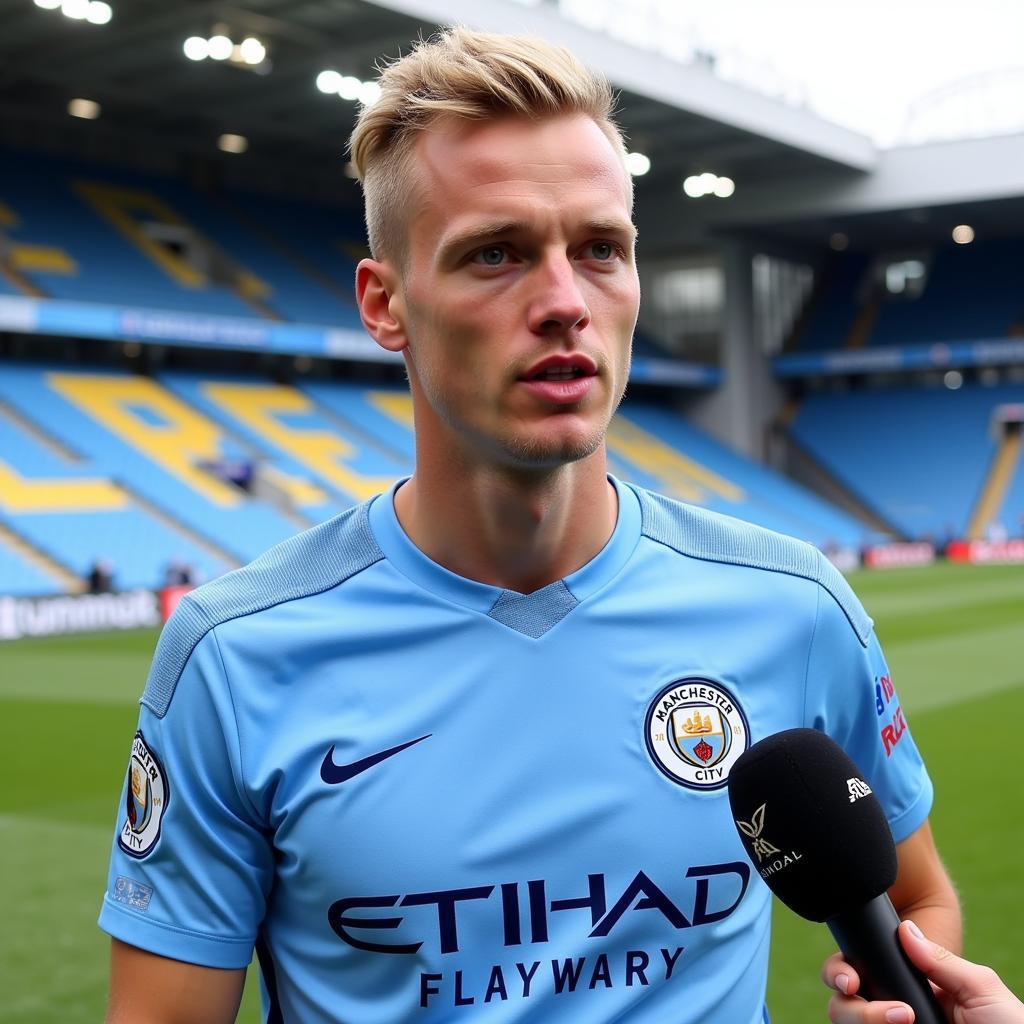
<point>559,304</point>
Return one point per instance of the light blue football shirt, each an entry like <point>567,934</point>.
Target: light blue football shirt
<point>422,798</point>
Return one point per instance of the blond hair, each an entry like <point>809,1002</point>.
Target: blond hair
<point>470,75</point>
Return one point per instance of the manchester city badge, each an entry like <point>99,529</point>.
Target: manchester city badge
<point>695,730</point>
<point>146,797</point>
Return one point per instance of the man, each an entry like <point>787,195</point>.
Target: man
<point>461,752</point>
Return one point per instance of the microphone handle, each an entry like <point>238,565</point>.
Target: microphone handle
<point>867,937</point>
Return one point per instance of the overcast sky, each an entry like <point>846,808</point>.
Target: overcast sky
<point>860,63</point>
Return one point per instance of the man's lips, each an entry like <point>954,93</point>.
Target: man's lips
<point>561,379</point>
<point>560,368</point>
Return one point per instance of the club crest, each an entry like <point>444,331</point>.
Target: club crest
<point>146,797</point>
<point>695,730</point>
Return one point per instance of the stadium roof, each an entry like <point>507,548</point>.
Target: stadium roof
<point>797,176</point>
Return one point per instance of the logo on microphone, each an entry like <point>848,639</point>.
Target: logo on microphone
<point>857,788</point>
<point>754,828</point>
<point>777,860</point>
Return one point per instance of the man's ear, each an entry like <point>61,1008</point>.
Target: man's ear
<point>379,304</point>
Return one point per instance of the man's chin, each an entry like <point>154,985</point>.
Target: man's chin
<point>533,453</point>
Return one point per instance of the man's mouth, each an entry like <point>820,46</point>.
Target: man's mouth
<point>559,373</point>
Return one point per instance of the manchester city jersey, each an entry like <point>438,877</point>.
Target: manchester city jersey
<point>421,798</point>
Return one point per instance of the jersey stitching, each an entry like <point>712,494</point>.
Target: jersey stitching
<point>810,651</point>
<point>727,559</point>
<point>238,776</point>
<point>226,939</point>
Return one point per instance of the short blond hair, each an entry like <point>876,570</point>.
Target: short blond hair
<point>463,74</point>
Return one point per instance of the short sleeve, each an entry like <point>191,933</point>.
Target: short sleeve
<point>850,696</point>
<point>191,864</point>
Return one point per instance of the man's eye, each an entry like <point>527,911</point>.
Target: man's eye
<point>493,256</point>
<point>602,250</point>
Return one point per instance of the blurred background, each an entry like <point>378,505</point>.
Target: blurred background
<point>830,200</point>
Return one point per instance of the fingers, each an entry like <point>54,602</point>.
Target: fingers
<point>854,1010</point>
<point>846,1007</point>
<point>960,978</point>
<point>838,974</point>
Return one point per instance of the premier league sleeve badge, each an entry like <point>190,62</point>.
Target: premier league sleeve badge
<point>146,798</point>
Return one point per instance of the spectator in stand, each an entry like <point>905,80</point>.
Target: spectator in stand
<point>100,579</point>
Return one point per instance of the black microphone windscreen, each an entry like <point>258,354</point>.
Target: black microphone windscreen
<point>811,824</point>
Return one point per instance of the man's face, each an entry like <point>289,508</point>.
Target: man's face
<point>519,292</point>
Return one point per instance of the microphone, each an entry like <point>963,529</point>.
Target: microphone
<point>819,838</point>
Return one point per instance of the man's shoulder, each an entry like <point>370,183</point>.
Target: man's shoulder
<point>696,532</point>
<point>310,563</point>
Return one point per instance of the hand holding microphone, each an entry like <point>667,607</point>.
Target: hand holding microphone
<point>970,993</point>
<point>819,839</point>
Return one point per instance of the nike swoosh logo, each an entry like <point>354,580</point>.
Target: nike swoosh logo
<point>333,773</point>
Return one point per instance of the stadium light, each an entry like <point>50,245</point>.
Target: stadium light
<point>953,379</point>
<point>708,184</point>
<point>229,143</point>
<point>637,164</point>
<point>328,81</point>
<point>96,12</point>
<point>89,110</point>
<point>219,47</point>
<point>838,241</point>
<point>963,234</point>
<point>99,13</point>
<point>369,93</point>
<point>724,188</point>
<point>252,51</point>
<point>196,48</point>
<point>349,87</point>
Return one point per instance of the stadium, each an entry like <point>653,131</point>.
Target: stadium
<point>830,345</point>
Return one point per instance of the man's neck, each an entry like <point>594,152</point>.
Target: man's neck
<point>506,528</point>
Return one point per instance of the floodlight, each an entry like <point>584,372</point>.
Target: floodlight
<point>724,187</point>
<point>196,48</point>
<point>48,5</point>
<point>963,234</point>
<point>349,88</point>
<point>637,164</point>
<point>220,47</point>
<point>252,51</point>
<point>328,81</point>
<point>77,9</point>
<point>692,186</point>
<point>233,143</point>
<point>369,93</point>
<point>87,109</point>
<point>98,12</point>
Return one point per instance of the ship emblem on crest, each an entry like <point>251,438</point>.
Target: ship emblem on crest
<point>699,735</point>
<point>695,730</point>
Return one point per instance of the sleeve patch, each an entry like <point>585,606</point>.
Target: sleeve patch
<point>146,797</point>
<point>131,893</point>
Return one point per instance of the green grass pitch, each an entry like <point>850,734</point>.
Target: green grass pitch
<point>954,636</point>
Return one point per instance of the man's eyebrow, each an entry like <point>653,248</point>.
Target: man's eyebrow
<point>483,233</point>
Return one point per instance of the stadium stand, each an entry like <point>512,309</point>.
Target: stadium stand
<point>832,311</point>
<point>152,445</point>
<point>919,457</point>
<point>301,443</point>
<point>20,577</point>
<point>971,292</point>
<point>139,487</point>
<point>96,234</point>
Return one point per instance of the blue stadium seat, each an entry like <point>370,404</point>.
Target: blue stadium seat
<point>239,526</point>
<point>19,578</point>
<point>917,456</point>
